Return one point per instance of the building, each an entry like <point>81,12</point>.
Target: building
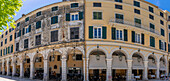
<point>90,39</point>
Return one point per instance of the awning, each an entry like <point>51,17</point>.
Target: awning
<point>137,63</point>
<point>162,66</point>
<point>119,64</point>
<point>97,64</point>
<point>151,65</point>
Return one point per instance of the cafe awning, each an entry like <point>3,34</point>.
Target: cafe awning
<point>137,63</point>
<point>151,64</point>
<point>97,64</point>
<point>119,63</point>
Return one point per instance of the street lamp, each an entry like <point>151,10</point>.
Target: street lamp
<point>53,58</point>
<point>153,60</point>
<point>74,54</point>
<point>25,58</point>
<point>37,58</point>
<point>138,58</point>
<point>97,56</point>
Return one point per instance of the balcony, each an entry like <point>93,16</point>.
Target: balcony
<point>125,22</point>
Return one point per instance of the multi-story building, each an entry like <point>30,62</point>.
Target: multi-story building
<point>90,40</point>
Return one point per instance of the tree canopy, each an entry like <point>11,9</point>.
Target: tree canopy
<point>8,9</point>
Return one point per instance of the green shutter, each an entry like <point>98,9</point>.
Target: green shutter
<point>23,31</point>
<point>12,49</point>
<point>90,32</point>
<point>80,15</point>
<point>1,52</point>
<point>8,50</point>
<point>67,16</point>
<point>143,38</point>
<point>168,47</point>
<point>113,33</point>
<point>15,35</point>
<point>133,36</point>
<point>152,41</point>
<point>104,32</point>
<point>125,35</point>
<point>165,46</point>
<point>159,44</point>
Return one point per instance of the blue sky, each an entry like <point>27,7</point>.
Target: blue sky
<point>30,5</point>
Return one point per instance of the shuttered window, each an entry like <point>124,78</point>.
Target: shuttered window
<point>1,43</point>
<point>133,36</point>
<point>38,40</point>
<point>113,33</point>
<point>26,42</point>
<point>90,32</point>
<point>125,35</point>
<point>142,39</point>
<point>67,16</point>
<point>104,32</point>
<point>23,31</point>
<point>54,20</point>
<point>9,50</point>
<point>168,47</point>
<point>12,49</point>
<point>5,41</point>
<point>74,33</point>
<point>17,46</point>
<point>152,41</point>
<point>1,52</point>
<point>81,16</point>
<point>6,50</point>
<point>38,24</point>
<point>54,36</point>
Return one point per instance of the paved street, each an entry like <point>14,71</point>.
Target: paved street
<point>9,78</point>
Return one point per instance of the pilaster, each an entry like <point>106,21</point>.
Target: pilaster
<point>129,71</point>
<point>145,73</point>
<point>109,70</point>
<point>46,70</point>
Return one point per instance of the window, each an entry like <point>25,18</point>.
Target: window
<point>119,35</point>
<point>28,29</point>
<point>27,19</point>
<point>54,8</point>
<point>137,22</point>
<point>97,32</point>
<point>74,17</point>
<point>137,11</point>
<point>2,36</point>
<point>5,41</point>
<point>119,18</point>
<point>136,3</point>
<point>9,50</point>
<point>161,14</point>
<point>78,57</point>
<point>162,32</point>
<point>118,1</point>
<point>58,58</point>
<point>6,33</point>
<point>151,9</point>
<point>162,45</point>
<point>118,6</point>
<point>12,49</point>
<point>97,5</point>
<point>54,20</point>
<point>152,27</point>
<point>74,33</point>
<point>26,43</point>
<point>161,22</point>
<point>38,24</point>
<point>168,26</point>
<point>74,5</point>
<point>55,66</point>
<point>2,43</point>
<point>38,14</point>
<point>54,36</point>
<point>137,38</point>
<point>10,30</point>
<point>97,15</point>
<point>11,38</point>
<point>152,41</point>
<point>17,46</point>
<point>18,24</point>
<point>151,16</point>
<point>38,40</point>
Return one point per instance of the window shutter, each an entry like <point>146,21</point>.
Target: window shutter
<point>90,32</point>
<point>15,35</point>
<point>133,36</point>
<point>113,33</point>
<point>56,19</point>
<point>19,33</point>
<point>159,44</point>
<point>23,31</point>
<point>104,32</point>
<point>168,47</point>
<point>80,15</point>
<point>11,48</point>
<point>165,46</point>
<point>125,35</point>
<point>8,50</point>
<point>143,38</point>
<point>67,16</point>
<point>30,28</point>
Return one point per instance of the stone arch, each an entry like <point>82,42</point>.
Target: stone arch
<point>35,55</point>
<point>155,57</point>
<point>122,50</point>
<point>100,48</point>
<point>142,54</point>
<point>162,56</point>
<point>50,52</point>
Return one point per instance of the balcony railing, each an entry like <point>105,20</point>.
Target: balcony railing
<point>121,21</point>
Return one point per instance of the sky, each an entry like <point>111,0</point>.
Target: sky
<point>30,5</point>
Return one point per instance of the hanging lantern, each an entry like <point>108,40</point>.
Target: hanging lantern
<point>138,58</point>
<point>120,57</point>
<point>153,60</point>
<point>53,58</point>
<point>74,54</point>
<point>37,58</point>
<point>97,56</point>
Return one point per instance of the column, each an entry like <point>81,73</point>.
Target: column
<point>157,71</point>
<point>8,68</point>
<point>3,68</point>
<point>145,72</point>
<point>109,70</point>
<point>129,71</point>
<point>87,69</point>
<point>84,69</point>
<point>167,68</point>
<point>64,69</point>
<point>31,69</point>
<point>21,69</point>
<point>13,69</point>
<point>46,70</point>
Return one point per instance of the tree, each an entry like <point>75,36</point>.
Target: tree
<point>7,11</point>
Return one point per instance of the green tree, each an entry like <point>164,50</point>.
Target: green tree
<point>8,9</point>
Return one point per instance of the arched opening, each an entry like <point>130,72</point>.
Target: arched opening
<point>162,67</point>
<point>54,66</point>
<point>10,67</point>
<point>26,66</point>
<point>1,67</point>
<point>97,66</point>
<point>137,66</point>
<point>75,65</point>
<point>119,66</point>
<point>38,66</point>
<point>5,65</point>
<point>152,67</point>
